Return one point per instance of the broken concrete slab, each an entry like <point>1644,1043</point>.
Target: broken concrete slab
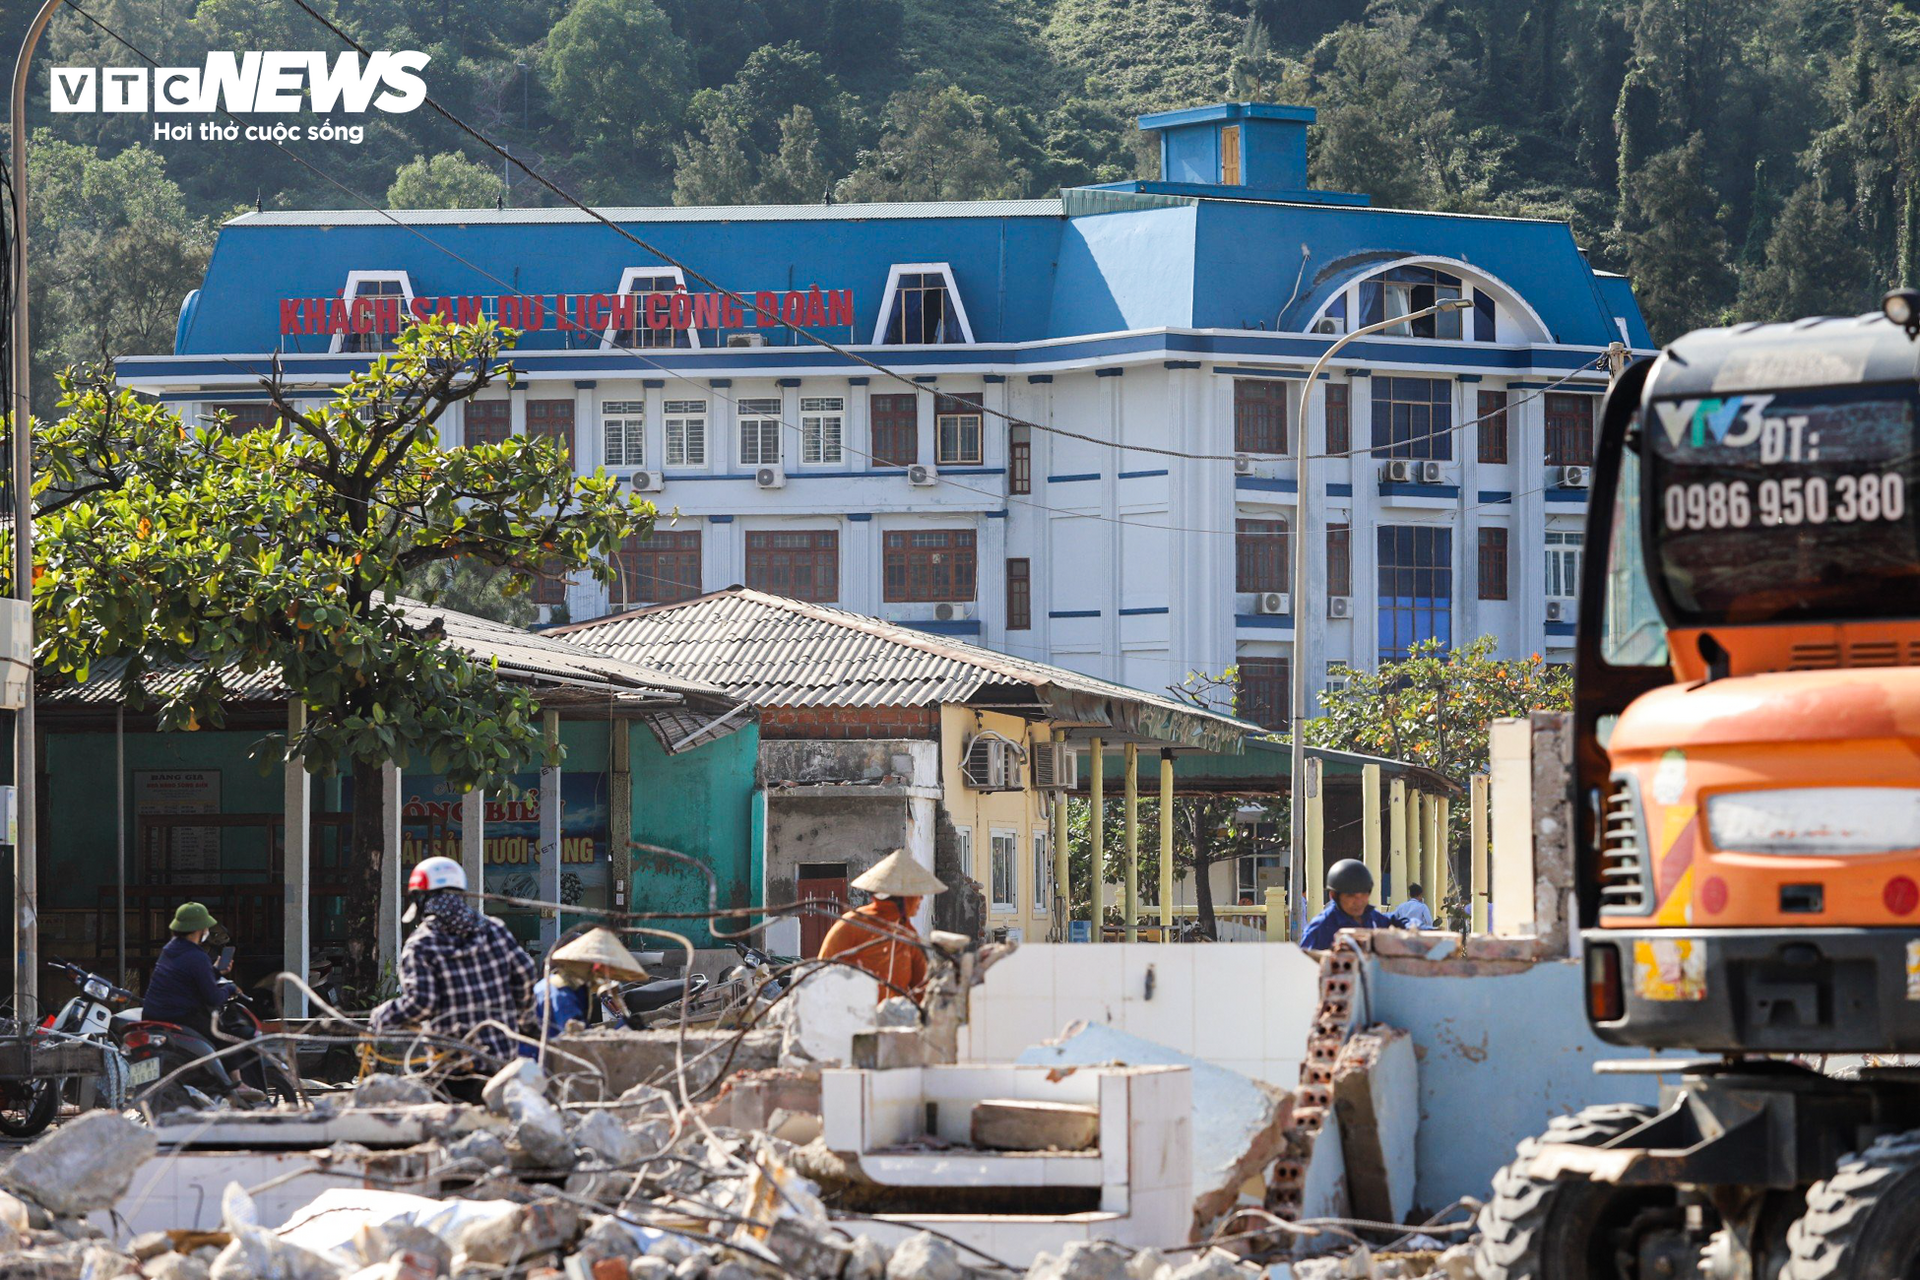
<point>1376,1097</point>
<point>628,1058</point>
<point>1015,1124</point>
<point>826,1009</point>
<point>1238,1122</point>
<point>1083,1260</point>
<point>83,1165</point>
<point>926,1257</point>
<point>385,1090</point>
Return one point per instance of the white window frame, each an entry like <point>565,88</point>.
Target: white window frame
<point>1518,309</point>
<point>627,277</point>
<point>814,430</point>
<point>743,415</point>
<point>631,417</point>
<point>963,848</point>
<point>893,287</point>
<point>1567,547</point>
<point>1003,841</point>
<point>1042,844</point>
<point>352,287</point>
<point>979,415</point>
<point>683,418</point>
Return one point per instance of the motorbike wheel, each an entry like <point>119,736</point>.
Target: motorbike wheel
<point>277,1082</point>
<point>27,1107</point>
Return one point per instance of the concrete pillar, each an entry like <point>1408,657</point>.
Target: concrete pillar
<point>1416,847</point>
<point>392,872</point>
<point>1166,846</point>
<point>1097,792</point>
<point>1276,914</point>
<point>620,809</point>
<point>1130,766</point>
<point>1396,840</point>
<point>1477,885</point>
<point>473,843</point>
<point>1316,828</point>
<point>920,824</point>
<point>1443,862</point>
<point>1062,879</point>
<point>550,837</point>
<point>297,818</point>
<point>1369,823</point>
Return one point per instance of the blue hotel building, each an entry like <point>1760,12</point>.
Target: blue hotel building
<point>1084,450</point>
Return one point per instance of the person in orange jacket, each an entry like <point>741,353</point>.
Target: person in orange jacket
<point>879,937</point>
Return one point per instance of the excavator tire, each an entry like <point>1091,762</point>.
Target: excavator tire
<point>1556,1228</point>
<point>1863,1220</point>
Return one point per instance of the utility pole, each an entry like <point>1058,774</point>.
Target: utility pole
<point>1302,537</point>
<point>26,870</point>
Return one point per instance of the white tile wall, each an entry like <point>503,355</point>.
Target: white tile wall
<point>1247,1007</point>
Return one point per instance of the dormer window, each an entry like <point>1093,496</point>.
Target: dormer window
<point>922,308</point>
<point>1401,291</point>
<point>648,322</point>
<point>378,308</point>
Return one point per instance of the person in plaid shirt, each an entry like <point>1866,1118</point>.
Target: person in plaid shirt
<point>459,969</point>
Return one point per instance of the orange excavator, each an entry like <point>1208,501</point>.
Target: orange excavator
<point>1747,821</point>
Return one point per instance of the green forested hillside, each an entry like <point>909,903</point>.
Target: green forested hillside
<point>1750,158</point>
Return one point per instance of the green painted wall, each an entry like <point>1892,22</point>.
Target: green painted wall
<point>701,802</point>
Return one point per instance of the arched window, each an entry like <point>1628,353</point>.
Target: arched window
<point>379,306</point>
<point>631,328</point>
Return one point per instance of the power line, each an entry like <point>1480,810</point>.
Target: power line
<point>705,390</point>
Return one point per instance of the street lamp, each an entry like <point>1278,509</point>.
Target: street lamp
<point>1297,693</point>
<point>26,870</point>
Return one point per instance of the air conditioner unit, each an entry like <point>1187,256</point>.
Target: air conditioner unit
<point>992,763</point>
<point>1055,767</point>
<point>1560,611</point>
<point>647,481</point>
<point>922,475</point>
<point>1398,471</point>
<point>1242,464</point>
<point>952,610</point>
<point>1576,477</point>
<point>746,339</point>
<point>1339,606</point>
<point>770,477</point>
<point>1431,473</point>
<point>1272,602</point>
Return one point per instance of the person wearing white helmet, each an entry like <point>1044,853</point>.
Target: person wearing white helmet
<point>459,970</point>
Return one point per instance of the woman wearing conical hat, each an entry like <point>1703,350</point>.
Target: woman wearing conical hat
<point>879,937</point>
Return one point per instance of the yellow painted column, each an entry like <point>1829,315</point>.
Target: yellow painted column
<point>1396,839</point>
<point>1166,846</point>
<point>1058,910</point>
<point>1442,858</point>
<point>1369,824</point>
<point>1477,880</point>
<point>1276,914</point>
<point>1097,793</point>
<point>1316,825</point>
<point>1130,776</point>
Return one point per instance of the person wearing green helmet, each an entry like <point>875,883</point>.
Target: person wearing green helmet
<point>185,988</point>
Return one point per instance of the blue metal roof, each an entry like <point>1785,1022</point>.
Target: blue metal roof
<point>1027,271</point>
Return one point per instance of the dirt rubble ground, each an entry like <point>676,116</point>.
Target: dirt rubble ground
<point>543,1183</point>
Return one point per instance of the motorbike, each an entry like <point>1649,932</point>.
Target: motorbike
<point>740,987</point>
<point>155,1050</point>
<point>28,1106</point>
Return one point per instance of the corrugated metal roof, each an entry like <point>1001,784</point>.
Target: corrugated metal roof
<point>773,651</point>
<point>661,213</point>
<point>524,658</point>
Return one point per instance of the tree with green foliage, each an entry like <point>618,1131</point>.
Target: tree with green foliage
<point>1434,708</point>
<point>1814,264</point>
<point>1675,250</point>
<point>278,551</point>
<point>777,133</point>
<point>115,250</point>
<point>618,75</point>
<point>939,143</point>
<point>445,181</point>
<point>475,587</point>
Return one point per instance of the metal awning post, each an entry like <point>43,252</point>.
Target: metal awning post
<point>120,836</point>
<point>1097,877</point>
<point>1130,765</point>
<point>1166,845</point>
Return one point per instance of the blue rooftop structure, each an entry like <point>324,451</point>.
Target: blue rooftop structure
<point>1083,445</point>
